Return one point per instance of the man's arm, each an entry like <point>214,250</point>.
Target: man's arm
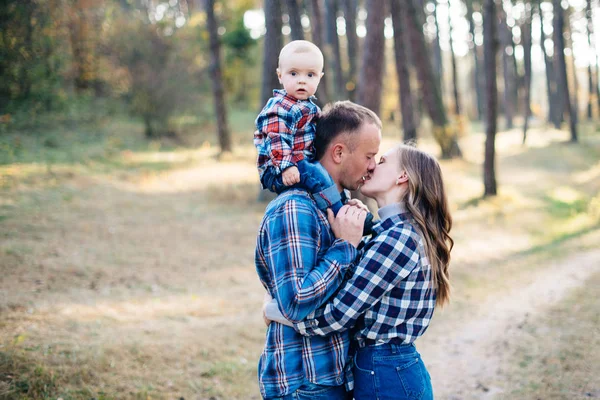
<point>301,281</point>
<point>389,258</point>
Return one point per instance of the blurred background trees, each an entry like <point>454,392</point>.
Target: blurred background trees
<point>418,63</point>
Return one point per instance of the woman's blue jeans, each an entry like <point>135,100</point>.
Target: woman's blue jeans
<point>390,371</point>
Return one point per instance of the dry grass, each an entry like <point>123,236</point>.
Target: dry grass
<point>557,354</point>
<point>138,282</point>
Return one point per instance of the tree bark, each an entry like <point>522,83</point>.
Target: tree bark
<point>429,85</point>
<point>293,11</point>
<point>526,34</point>
<point>454,69</point>
<point>508,69</point>
<point>553,114</point>
<point>477,84</point>
<point>405,96</point>
<point>590,33</point>
<point>216,77</point>
<point>490,46</point>
<point>371,73</point>
<point>316,23</point>
<point>332,49</point>
<point>272,46</point>
<point>437,49</point>
<point>561,65</point>
<point>350,7</point>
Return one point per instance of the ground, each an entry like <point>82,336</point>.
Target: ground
<point>135,278</point>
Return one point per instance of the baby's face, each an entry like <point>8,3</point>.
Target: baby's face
<point>300,74</point>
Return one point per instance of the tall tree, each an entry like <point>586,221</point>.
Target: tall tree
<point>437,49</point>
<point>293,11</point>
<point>272,45</point>
<point>403,75</point>
<point>526,34</point>
<point>371,73</point>
<point>454,68</point>
<point>551,86</point>
<point>217,78</point>
<point>590,32</point>
<point>561,66</point>
<point>332,49</point>
<point>442,132</point>
<point>506,40</point>
<point>316,23</point>
<point>490,46</point>
<point>477,84</point>
<point>350,7</point>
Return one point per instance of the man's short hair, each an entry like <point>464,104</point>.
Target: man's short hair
<point>342,118</point>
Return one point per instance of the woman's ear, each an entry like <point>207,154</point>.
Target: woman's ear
<point>402,178</point>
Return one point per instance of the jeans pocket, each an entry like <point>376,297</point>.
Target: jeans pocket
<point>356,367</point>
<point>412,377</point>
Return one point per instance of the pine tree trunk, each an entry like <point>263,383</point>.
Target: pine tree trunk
<point>526,34</point>
<point>454,69</point>
<point>590,33</point>
<point>477,84</point>
<point>561,66</point>
<point>438,63</point>
<point>316,23</point>
<point>293,11</point>
<point>216,77</point>
<point>350,7</point>
<point>507,69</point>
<point>551,87</point>
<point>429,87</point>
<point>272,46</point>
<point>490,46</point>
<point>332,49</point>
<point>371,73</point>
<point>405,96</point>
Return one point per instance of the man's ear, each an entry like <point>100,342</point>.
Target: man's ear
<point>402,178</point>
<point>337,152</point>
<point>279,75</point>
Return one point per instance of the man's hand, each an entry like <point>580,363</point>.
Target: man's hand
<point>290,176</point>
<point>266,300</point>
<point>348,224</point>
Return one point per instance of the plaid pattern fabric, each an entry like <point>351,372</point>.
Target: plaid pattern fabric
<point>391,287</point>
<point>285,132</point>
<point>301,264</point>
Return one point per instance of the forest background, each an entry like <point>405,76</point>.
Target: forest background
<point>129,197</point>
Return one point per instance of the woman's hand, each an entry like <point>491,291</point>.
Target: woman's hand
<point>348,224</point>
<point>266,300</point>
<point>358,203</point>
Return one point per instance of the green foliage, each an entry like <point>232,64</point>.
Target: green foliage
<point>155,71</point>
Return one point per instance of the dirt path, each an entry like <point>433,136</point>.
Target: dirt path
<point>466,361</point>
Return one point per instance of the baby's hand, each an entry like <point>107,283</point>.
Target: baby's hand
<point>290,176</point>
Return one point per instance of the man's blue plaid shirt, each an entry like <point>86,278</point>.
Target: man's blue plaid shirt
<point>301,265</point>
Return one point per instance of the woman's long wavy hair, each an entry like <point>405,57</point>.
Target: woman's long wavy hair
<point>426,200</point>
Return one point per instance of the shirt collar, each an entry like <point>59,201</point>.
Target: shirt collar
<point>390,215</point>
<point>283,93</point>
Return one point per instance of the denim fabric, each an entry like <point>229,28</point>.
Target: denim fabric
<point>310,391</point>
<point>389,372</point>
<point>314,178</point>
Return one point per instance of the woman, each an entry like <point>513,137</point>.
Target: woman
<point>403,274</point>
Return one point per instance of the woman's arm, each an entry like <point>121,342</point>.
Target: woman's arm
<point>389,258</point>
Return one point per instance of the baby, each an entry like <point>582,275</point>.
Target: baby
<point>286,129</point>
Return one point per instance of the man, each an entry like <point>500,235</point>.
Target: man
<point>301,263</point>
